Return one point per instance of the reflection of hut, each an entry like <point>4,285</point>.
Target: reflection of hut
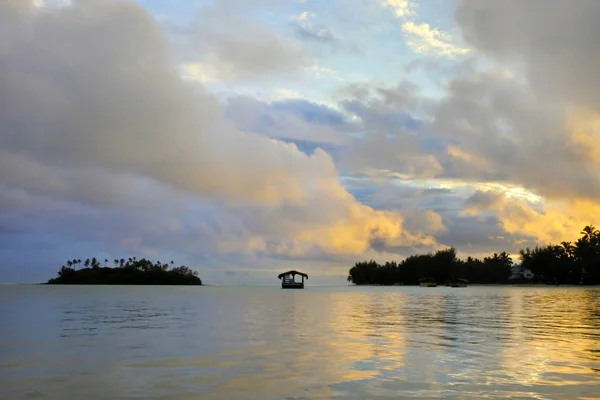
<point>288,280</point>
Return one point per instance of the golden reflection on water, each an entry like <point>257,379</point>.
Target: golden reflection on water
<point>320,343</point>
<point>555,340</point>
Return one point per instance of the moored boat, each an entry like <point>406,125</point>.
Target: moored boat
<point>427,282</point>
<point>459,282</point>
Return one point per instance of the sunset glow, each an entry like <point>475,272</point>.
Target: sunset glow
<point>245,137</point>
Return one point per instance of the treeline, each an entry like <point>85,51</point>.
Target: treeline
<point>125,272</point>
<point>442,266</point>
<point>567,263</point>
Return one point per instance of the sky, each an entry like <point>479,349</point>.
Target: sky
<point>244,138</point>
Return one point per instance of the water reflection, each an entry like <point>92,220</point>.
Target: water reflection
<point>320,343</point>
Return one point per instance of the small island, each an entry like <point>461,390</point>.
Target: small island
<point>125,272</point>
<point>570,263</point>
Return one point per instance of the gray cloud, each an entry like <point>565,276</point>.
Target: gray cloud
<point>496,125</point>
<point>134,116</point>
<point>241,49</point>
<point>318,32</point>
<point>105,144</point>
<point>503,132</point>
<point>285,123</point>
<point>555,39</point>
<point>484,201</point>
<point>315,32</point>
<point>389,135</point>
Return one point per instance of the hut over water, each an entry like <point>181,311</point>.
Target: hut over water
<point>288,280</point>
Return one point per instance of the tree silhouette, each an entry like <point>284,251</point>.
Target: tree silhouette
<point>143,272</point>
<point>567,263</point>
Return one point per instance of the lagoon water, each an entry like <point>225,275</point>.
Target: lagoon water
<point>77,342</point>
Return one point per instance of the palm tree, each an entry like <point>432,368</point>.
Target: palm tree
<point>87,262</point>
<point>589,232</point>
<point>505,259</point>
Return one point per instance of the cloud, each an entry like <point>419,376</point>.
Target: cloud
<point>318,33</point>
<point>554,222</point>
<point>426,221</point>
<point>387,139</point>
<point>502,131</point>
<point>93,112</point>
<point>303,16</point>
<point>422,38</point>
<point>482,201</point>
<point>533,120</point>
<point>135,116</point>
<point>104,147</point>
<point>553,41</point>
<point>296,120</point>
<point>489,127</point>
<point>401,8</point>
<point>240,49</point>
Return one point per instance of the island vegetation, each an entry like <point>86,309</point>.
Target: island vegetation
<point>571,263</point>
<point>125,272</point>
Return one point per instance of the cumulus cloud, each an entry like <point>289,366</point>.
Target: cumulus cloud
<point>388,139</point>
<point>530,121</point>
<point>424,39</point>
<point>238,48</point>
<point>553,40</point>
<point>553,222</point>
<point>541,126</point>
<point>318,33</point>
<point>309,31</point>
<point>293,119</point>
<point>421,37</point>
<point>103,143</point>
<point>93,110</point>
<point>401,8</point>
<point>502,131</point>
<point>538,125</point>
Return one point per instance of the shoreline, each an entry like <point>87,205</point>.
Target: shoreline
<point>476,284</point>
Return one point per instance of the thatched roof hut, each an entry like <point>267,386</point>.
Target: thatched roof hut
<point>292,273</point>
<point>288,279</point>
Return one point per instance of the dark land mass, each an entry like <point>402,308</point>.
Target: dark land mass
<point>569,263</point>
<point>130,272</point>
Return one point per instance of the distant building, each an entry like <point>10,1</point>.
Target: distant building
<point>518,272</point>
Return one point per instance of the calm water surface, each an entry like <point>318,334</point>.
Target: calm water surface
<point>320,343</point>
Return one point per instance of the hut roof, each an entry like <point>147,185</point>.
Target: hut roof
<point>292,272</point>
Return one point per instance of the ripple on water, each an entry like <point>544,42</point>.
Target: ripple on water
<point>323,343</point>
